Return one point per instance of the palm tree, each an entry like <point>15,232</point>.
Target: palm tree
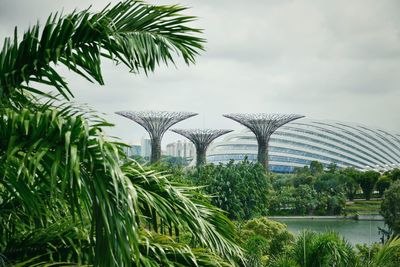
<point>313,249</point>
<point>68,194</point>
<point>387,255</point>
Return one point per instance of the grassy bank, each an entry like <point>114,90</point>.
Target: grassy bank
<point>363,207</point>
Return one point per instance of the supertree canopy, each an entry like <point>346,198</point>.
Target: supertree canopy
<point>201,138</point>
<point>156,124</point>
<point>263,125</point>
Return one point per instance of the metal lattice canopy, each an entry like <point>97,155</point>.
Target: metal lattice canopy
<point>156,124</point>
<point>263,125</point>
<point>201,138</point>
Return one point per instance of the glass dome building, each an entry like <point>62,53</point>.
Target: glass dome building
<point>298,143</point>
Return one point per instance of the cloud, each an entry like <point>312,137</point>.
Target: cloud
<point>325,59</point>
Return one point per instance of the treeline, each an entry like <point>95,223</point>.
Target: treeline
<point>248,194</point>
<point>244,190</point>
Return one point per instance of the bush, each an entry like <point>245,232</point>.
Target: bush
<point>382,184</point>
<point>367,181</point>
<point>390,208</point>
<point>275,233</point>
<point>240,189</point>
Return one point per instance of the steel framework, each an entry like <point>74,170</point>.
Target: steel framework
<point>201,138</point>
<point>156,124</point>
<point>263,125</point>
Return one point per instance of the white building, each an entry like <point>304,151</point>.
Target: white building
<point>182,149</point>
<point>298,143</point>
<point>145,147</point>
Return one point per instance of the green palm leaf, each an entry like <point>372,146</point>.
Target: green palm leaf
<point>178,207</point>
<point>389,254</point>
<point>137,34</point>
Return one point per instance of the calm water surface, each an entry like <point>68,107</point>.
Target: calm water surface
<point>355,232</point>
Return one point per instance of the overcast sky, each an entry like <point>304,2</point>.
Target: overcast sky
<point>335,60</point>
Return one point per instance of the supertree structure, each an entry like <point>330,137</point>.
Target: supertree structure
<point>156,124</point>
<point>201,138</point>
<point>263,125</point>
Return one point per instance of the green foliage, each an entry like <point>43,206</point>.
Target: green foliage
<point>68,194</point>
<point>332,168</point>
<point>305,200</point>
<point>382,184</point>
<point>394,174</point>
<point>390,208</point>
<point>388,255</point>
<point>366,253</point>
<point>322,249</point>
<point>256,247</point>
<point>316,167</point>
<point>378,255</point>
<point>239,189</point>
<point>361,207</point>
<point>307,194</point>
<point>283,261</point>
<point>131,32</point>
<point>367,181</point>
<point>350,178</point>
<point>275,234</point>
<point>45,183</point>
<point>174,161</point>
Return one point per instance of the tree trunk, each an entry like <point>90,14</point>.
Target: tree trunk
<point>200,157</point>
<point>262,156</point>
<point>155,150</point>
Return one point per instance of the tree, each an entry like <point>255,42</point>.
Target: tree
<point>332,168</point>
<point>390,208</point>
<point>350,181</point>
<point>394,174</point>
<point>312,249</point>
<point>264,238</point>
<point>241,189</point>
<point>67,192</point>
<point>382,184</point>
<point>378,255</point>
<point>306,200</point>
<point>316,167</point>
<point>367,181</point>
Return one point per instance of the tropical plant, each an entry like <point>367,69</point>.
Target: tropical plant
<point>68,194</point>
<point>313,249</point>
<point>382,184</point>
<point>390,208</point>
<point>378,255</point>
<point>388,255</point>
<point>350,182</point>
<point>394,174</point>
<point>241,189</point>
<point>257,248</point>
<point>367,181</point>
<point>275,234</point>
<point>316,167</point>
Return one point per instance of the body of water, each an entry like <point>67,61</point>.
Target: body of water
<point>356,232</point>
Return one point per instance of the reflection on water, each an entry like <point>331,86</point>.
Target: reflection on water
<point>355,232</point>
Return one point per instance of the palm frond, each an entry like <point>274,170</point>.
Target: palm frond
<point>134,33</point>
<point>55,162</point>
<point>389,254</point>
<point>177,208</point>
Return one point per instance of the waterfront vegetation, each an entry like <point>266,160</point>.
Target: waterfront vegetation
<point>69,195</point>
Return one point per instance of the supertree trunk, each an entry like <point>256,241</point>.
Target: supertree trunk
<point>262,156</point>
<point>155,150</point>
<point>200,157</point>
<point>263,126</point>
